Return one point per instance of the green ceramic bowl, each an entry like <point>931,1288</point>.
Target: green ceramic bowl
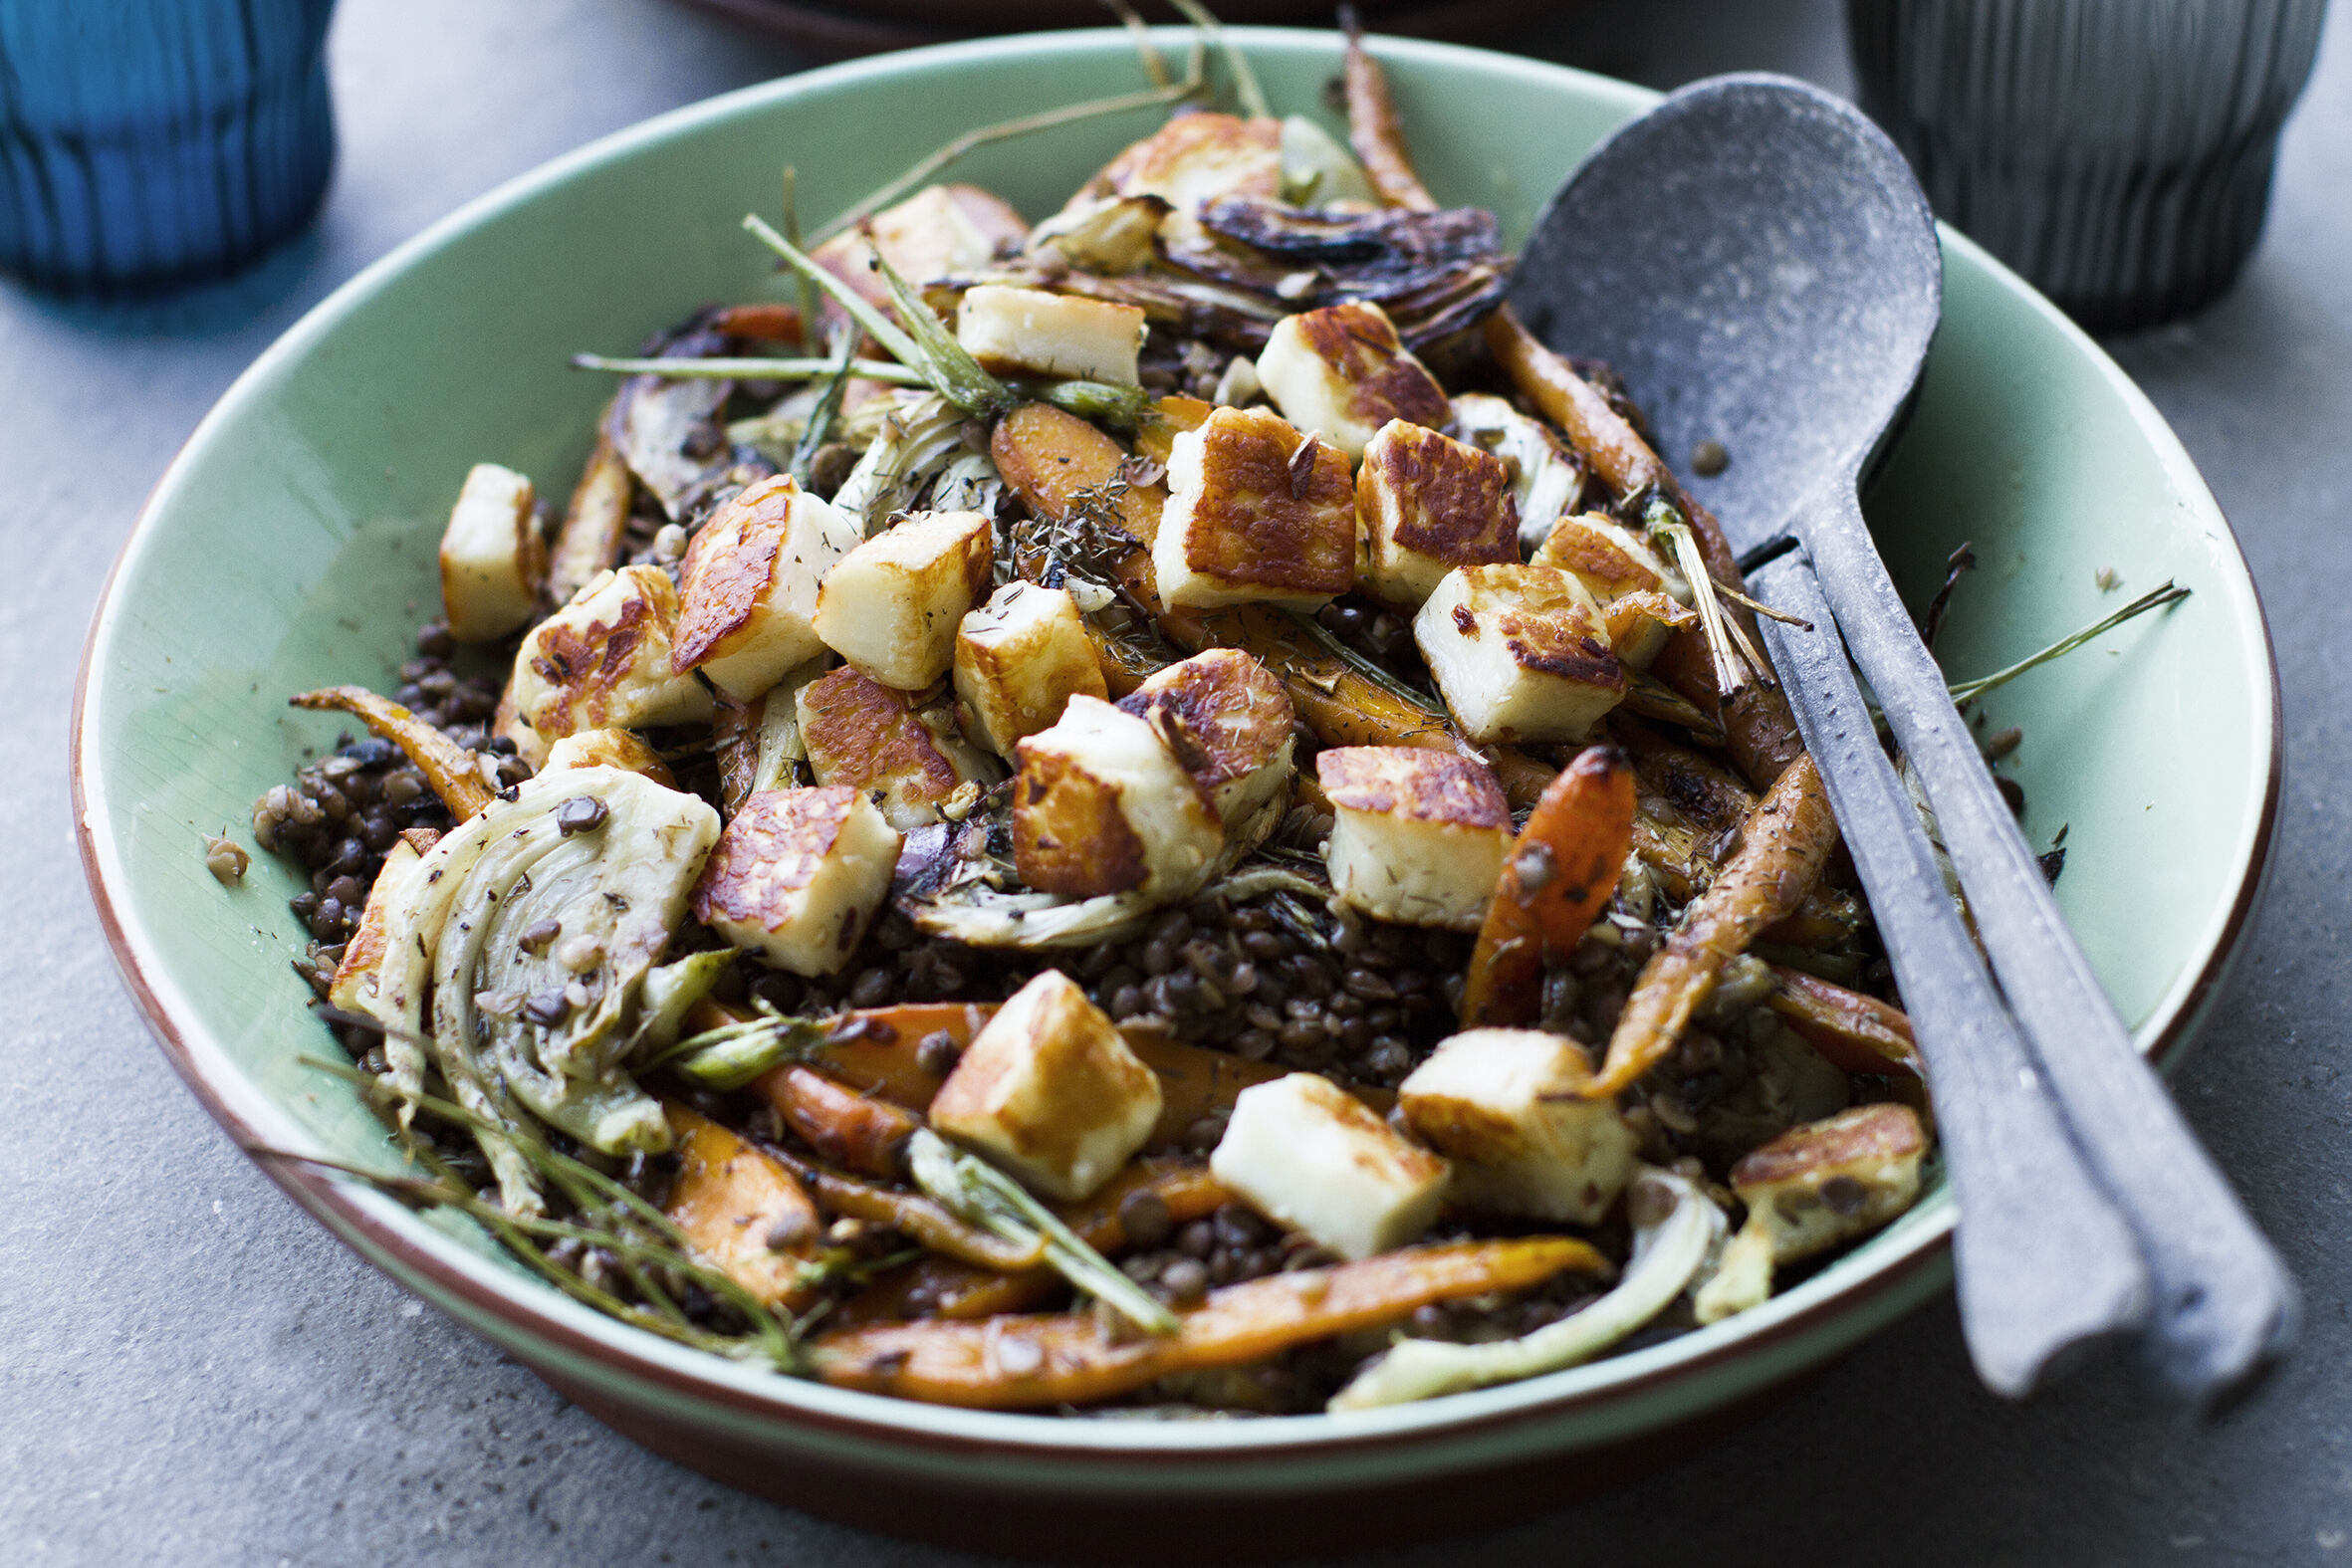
<point>292,545</point>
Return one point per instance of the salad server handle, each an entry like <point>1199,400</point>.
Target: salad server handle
<point>2047,1262</point>
<point>2224,1304</point>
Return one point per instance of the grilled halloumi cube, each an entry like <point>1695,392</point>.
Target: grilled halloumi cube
<point>1256,512</point>
<point>1231,726</point>
<point>1546,479</point>
<point>1028,332</point>
<point>798,875</point>
<point>1418,836</point>
<point>1608,557</point>
<point>1830,1181</point>
<point>621,749</point>
<point>602,662</point>
<point>1425,504</point>
<point>1343,371</point>
<point>1048,1090</point>
<point>1313,1157</point>
<point>1019,658</point>
<point>1621,570</point>
<point>1195,160</point>
<point>493,555</point>
<point>1102,805</point>
<point>1519,653</point>
<point>908,759</point>
<point>1507,1108</point>
<point>940,229</point>
<point>749,585</point>
<point>891,606</point>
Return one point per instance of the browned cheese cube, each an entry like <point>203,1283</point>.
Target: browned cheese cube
<point>492,555</point>
<point>749,585</point>
<point>1640,591</point>
<point>1256,512</point>
<point>1509,1108</point>
<point>1102,805</point>
<point>798,875</point>
<point>940,229</point>
<point>1343,372</point>
<point>1417,835</point>
<point>1049,1090</point>
<point>1519,653</point>
<point>1195,160</point>
<point>1425,504</point>
<point>908,760</point>
<point>1068,336</point>
<point>1830,1181</point>
<point>892,604</point>
<point>621,749</point>
<point>602,662</point>
<point>1229,725</point>
<point>1019,658</point>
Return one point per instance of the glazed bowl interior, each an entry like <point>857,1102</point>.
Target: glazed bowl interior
<point>292,545</point>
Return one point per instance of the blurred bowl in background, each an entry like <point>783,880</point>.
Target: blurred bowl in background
<point>840,27</point>
<point>2116,152</point>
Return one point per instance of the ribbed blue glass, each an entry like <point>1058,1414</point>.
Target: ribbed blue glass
<point>2116,152</point>
<point>146,145</point>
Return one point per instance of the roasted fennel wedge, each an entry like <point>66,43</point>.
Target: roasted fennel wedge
<point>528,932</point>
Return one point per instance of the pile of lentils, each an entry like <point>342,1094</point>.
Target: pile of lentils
<point>1303,986</point>
<point>343,811</point>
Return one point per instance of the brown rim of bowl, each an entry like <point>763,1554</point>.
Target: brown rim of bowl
<point>899,1421</point>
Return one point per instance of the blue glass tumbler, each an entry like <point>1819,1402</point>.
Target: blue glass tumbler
<point>148,145</point>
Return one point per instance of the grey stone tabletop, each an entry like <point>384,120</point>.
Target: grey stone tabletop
<point>193,1373</point>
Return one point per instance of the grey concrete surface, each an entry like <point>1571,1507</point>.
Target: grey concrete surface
<point>193,1374</point>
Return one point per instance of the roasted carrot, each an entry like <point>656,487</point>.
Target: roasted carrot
<point>770,323</point>
<point>1615,450</point>
<point>1702,793</point>
<point>1675,855</point>
<point>1194,1084</point>
<point>1756,718</point>
<point>1555,882</point>
<point>944,1287</point>
<point>878,1050</point>
<point>1826,917</point>
<point>1856,1032</point>
<point>741,1209</point>
<point>1029,1362</point>
<point>1049,456</point>
<point>1373,128</point>
<point>854,1131</point>
<point>875,1051</point>
<point>453,773</point>
<point>1783,849</point>
<point>589,542</point>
